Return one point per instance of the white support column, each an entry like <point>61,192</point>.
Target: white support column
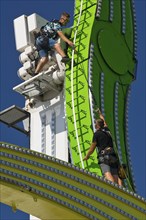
<point>45,101</point>
<point>48,128</point>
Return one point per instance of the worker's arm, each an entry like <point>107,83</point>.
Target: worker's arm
<point>64,38</point>
<point>91,150</point>
<point>101,117</point>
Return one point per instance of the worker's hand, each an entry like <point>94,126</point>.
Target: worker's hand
<point>98,111</point>
<point>86,158</point>
<point>71,44</point>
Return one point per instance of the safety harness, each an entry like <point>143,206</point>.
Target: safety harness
<point>107,155</point>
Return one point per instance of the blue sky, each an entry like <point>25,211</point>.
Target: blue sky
<point>49,9</point>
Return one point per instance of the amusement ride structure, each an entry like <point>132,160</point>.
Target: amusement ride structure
<point>51,180</point>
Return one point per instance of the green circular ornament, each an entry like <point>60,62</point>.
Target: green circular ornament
<point>114,51</point>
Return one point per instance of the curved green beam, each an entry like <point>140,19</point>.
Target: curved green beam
<point>77,94</point>
<point>103,69</point>
<point>61,190</point>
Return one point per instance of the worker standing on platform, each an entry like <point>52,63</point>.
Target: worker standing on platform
<point>47,39</point>
<point>107,158</point>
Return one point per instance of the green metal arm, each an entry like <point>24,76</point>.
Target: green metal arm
<point>103,68</point>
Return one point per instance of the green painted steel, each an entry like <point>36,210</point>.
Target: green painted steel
<point>77,94</point>
<point>45,178</point>
<point>103,69</point>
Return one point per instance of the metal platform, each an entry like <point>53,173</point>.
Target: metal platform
<point>38,85</point>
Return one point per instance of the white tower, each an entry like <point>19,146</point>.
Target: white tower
<point>44,96</point>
